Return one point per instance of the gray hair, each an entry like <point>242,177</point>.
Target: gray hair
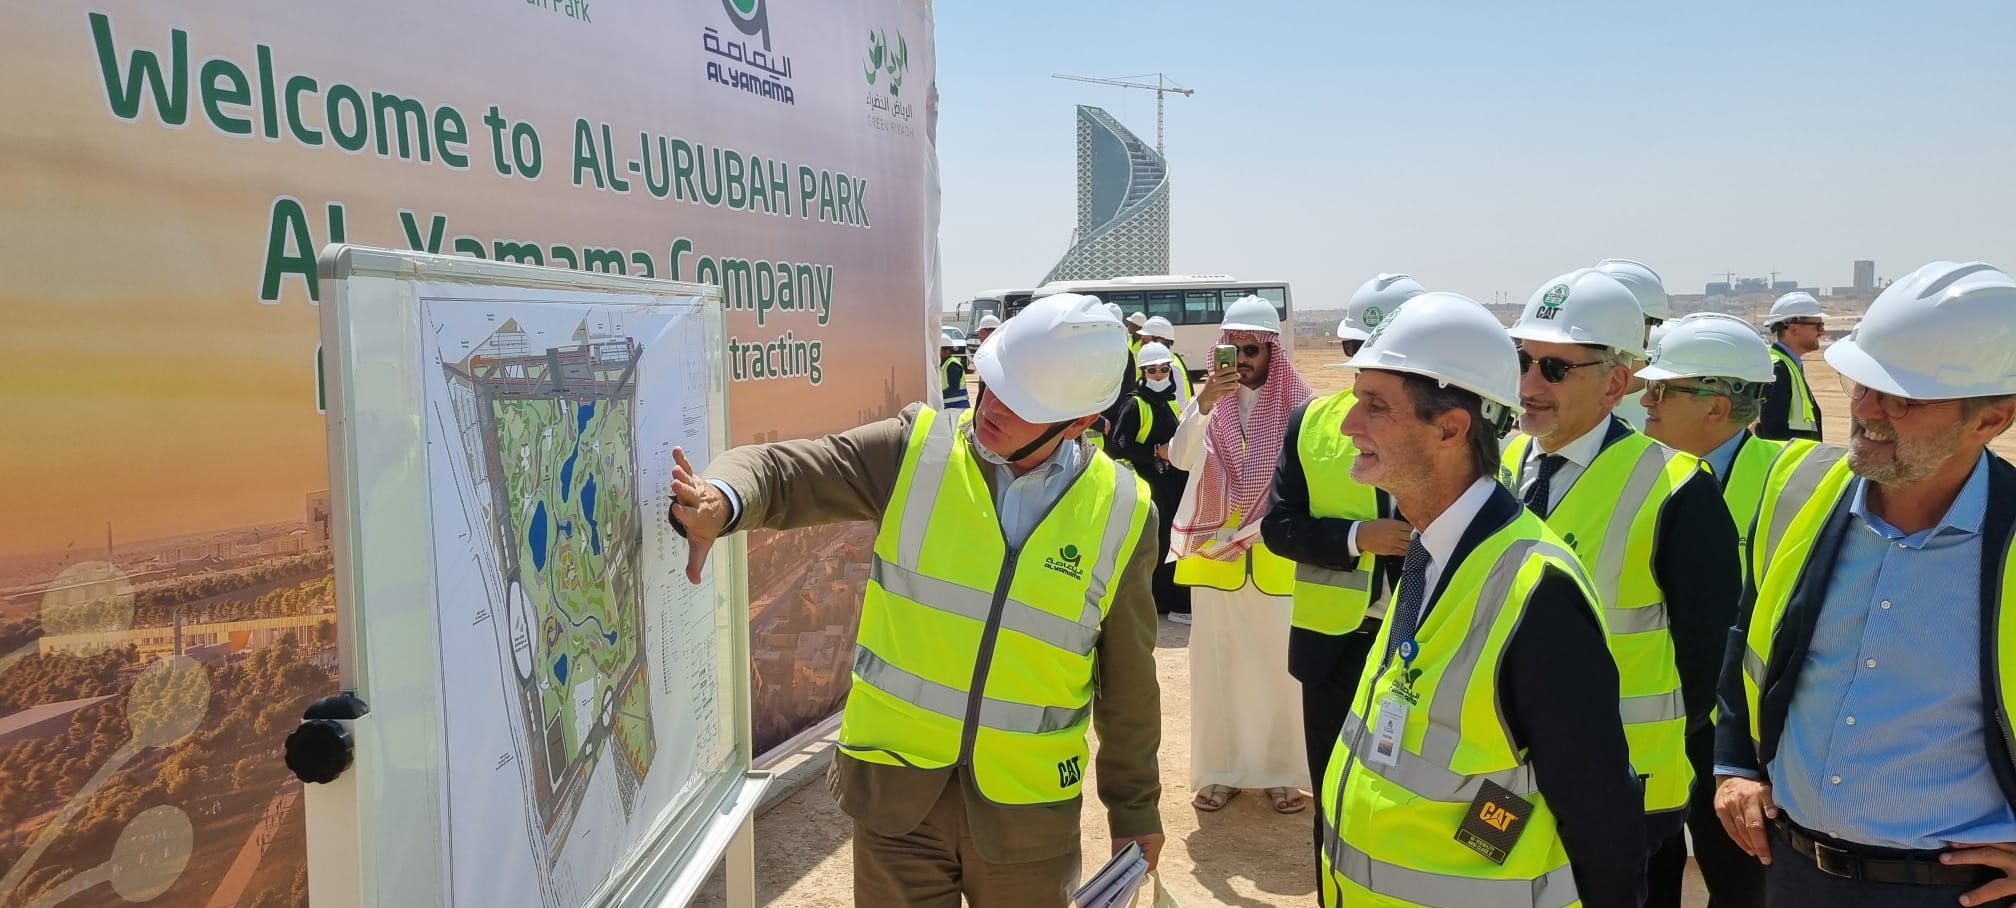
<point>1432,399</point>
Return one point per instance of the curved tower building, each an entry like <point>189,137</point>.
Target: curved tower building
<point>1123,204</point>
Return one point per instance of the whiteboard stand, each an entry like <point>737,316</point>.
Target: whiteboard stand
<point>379,824</point>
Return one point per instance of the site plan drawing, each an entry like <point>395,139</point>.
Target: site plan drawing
<point>570,675</point>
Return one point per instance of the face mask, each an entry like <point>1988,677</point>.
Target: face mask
<point>1158,384</point>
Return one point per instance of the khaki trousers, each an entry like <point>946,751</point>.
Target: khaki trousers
<point>936,863</point>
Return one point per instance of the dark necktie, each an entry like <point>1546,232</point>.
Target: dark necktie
<point>1543,484</point>
<point>1407,605</point>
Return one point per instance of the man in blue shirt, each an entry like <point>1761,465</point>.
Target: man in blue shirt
<point>1863,751</point>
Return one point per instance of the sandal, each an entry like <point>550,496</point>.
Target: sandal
<point>1288,800</point>
<point>1214,797</point>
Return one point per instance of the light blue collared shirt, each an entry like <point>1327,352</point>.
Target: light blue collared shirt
<point>1023,500</point>
<point>1883,741</point>
<point>1724,455</point>
<point>1797,360</point>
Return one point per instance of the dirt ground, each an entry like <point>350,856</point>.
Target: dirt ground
<point>1245,855</point>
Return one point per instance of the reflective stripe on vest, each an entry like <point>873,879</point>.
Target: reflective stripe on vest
<point>1613,508</point>
<point>1802,415</point>
<point>1743,488</point>
<point>948,600</point>
<point>1387,830</point>
<point>1330,601</point>
<point>1794,479</point>
<point>955,391</point>
<point>1811,488</point>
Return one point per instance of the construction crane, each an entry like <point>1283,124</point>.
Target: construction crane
<point>1161,87</point>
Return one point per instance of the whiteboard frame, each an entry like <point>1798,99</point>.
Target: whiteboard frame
<point>371,833</point>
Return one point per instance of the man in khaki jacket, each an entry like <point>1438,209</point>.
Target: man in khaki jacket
<point>1009,601</point>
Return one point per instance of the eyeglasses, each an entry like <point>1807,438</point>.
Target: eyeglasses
<point>1351,348</point>
<point>1659,390</point>
<point>1893,406</point>
<point>1552,368</point>
<point>1155,370</point>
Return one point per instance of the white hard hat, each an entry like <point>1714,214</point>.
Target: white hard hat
<point>1251,313</point>
<point>1153,354</point>
<point>1709,345</point>
<point>1112,309</point>
<point>1643,282</point>
<point>1943,331</point>
<point>1137,319</point>
<point>1375,300</point>
<point>989,321</point>
<point>1059,359</point>
<point>1157,326</point>
<point>1657,334</point>
<point>1450,338</point>
<point>1798,304</point>
<point>1584,307</point>
<point>948,336</point>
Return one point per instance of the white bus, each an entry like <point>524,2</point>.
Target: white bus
<point>1001,303</point>
<point>1194,303</point>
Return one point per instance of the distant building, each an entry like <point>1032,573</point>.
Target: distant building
<point>1865,276</point>
<point>1123,204</point>
<point>1716,288</point>
<point>1843,291</point>
<point>318,519</point>
<point>1784,286</point>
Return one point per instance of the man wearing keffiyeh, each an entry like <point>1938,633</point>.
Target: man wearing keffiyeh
<point>1246,720</point>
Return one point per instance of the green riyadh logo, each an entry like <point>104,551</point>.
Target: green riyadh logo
<point>1372,316</point>
<point>882,58</point>
<point>1550,302</point>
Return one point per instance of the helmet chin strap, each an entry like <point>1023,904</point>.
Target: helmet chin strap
<point>1049,432</point>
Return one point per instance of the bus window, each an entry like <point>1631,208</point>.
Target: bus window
<point>1200,307</point>
<point>1167,304</point>
<point>1129,303</point>
<point>1278,296</point>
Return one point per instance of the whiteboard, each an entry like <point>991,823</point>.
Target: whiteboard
<point>557,718</point>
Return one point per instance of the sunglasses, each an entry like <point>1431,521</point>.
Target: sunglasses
<point>1808,322</point>
<point>1351,348</point>
<point>1155,370</point>
<point>1659,390</point>
<point>1893,406</point>
<point>1552,368</point>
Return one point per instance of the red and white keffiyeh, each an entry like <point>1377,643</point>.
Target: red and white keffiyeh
<point>1238,468</point>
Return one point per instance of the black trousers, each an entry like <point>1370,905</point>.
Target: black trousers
<point>1325,705</point>
<point>1734,878</point>
<point>1793,881</point>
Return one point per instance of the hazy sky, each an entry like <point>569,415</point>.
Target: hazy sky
<point>1487,146</point>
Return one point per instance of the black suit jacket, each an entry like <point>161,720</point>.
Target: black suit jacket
<point>1558,688</point>
<point>1775,416</point>
<point>1696,560</point>
<point>1297,535</point>
<point>1795,635</point>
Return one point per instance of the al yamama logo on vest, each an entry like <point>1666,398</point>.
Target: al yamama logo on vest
<point>1068,562</point>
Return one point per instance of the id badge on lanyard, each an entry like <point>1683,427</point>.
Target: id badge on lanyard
<point>1389,725</point>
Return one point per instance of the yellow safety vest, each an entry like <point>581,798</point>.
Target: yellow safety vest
<point>1793,479</point>
<point>955,389</point>
<point>1326,601</point>
<point>1389,831</point>
<point>1803,416</point>
<point>1181,376</point>
<point>948,600</point>
<point>1812,493</point>
<point>1610,518</point>
<point>1145,409</point>
<point>1743,488</point>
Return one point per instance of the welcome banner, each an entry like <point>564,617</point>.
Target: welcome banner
<point>168,172</point>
